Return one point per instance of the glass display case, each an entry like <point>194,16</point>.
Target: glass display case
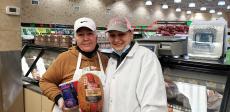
<point>196,86</point>
<point>36,59</point>
<point>191,85</point>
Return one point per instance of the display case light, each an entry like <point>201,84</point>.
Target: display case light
<point>148,2</point>
<point>228,7</point>
<point>212,11</point>
<point>192,5</point>
<point>178,9</point>
<point>189,12</point>
<point>219,13</point>
<point>165,6</point>
<point>221,3</point>
<point>203,8</point>
<point>177,1</point>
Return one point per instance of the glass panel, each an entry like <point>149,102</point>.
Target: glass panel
<point>204,38</point>
<point>49,57</point>
<point>189,91</point>
<point>43,63</point>
<point>28,59</point>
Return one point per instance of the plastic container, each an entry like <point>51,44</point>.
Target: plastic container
<point>69,93</point>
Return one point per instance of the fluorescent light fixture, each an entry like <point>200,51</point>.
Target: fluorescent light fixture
<point>228,7</point>
<point>212,11</point>
<point>221,3</point>
<point>203,8</point>
<point>191,5</point>
<point>177,1</point>
<point>165,6</point>
<point>189,12</point>
<point>219,13</point>
<point>148,2</point>
<point>178,9</point>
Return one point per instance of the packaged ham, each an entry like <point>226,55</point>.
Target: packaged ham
<point>90,93</point>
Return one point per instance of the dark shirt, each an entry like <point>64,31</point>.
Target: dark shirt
<point>88,54</point>
<point>121,57</point>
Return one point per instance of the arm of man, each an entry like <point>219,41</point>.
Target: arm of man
<point>151,91</point>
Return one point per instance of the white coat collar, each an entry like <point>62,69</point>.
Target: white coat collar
<point>133,50</point>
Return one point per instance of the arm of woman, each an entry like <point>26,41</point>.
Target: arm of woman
<point>151,91</point>
<point>51,79</point>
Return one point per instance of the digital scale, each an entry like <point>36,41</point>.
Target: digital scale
<point>166,45</point>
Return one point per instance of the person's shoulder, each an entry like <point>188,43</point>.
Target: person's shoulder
<point>103,56</point>
<point>69,53</point>
<point>146,52</point>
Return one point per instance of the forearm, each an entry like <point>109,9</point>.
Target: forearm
<point>49,89</point>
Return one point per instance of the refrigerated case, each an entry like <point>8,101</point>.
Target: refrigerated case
<point>196,85</point>
<point>191,85</point>
<point>36,59</point>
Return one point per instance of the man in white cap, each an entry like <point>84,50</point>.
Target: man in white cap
<point>134,80</point>
<point>69,65</point>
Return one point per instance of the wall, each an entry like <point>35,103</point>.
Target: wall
<point>66,11</point>
<point>9,27</point>
<point>11,94</point>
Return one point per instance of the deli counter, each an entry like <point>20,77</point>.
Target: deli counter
<point>197,85</point>
<point>191,85</point>
<point>35,60</point>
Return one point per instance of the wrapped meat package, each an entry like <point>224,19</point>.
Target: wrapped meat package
<point>90,93</point>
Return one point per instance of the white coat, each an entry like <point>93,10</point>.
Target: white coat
<point>136,85</point>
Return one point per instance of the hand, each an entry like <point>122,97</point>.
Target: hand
<point>61,103</point>
<point>74,109</point>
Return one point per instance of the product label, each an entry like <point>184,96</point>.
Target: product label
<point>69,94</point>
<point>93,92</point>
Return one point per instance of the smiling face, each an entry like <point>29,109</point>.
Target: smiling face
<point>119,40</point>
<point>86,39</point>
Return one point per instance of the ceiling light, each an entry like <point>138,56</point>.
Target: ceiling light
<point>165,6</point>
<point>228,7</point>
<point>221,3</point>
<point>192,5</point>
<point>178,9</point>
<point>189,12</point>
<point>212,11</point>
<point>148,2</point>
<point>203,8</point>
<point>219,13</point>
<point>177,1</point>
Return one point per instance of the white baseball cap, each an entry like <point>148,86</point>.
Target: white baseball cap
<point>84,22</point>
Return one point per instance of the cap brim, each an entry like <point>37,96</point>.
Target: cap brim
<point>117,29</point>
<point>85,27</point>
